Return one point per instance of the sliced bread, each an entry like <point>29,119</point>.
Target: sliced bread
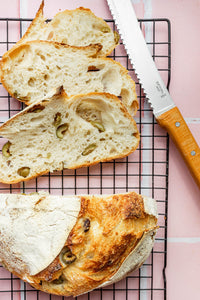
<point>33,70</point>
<point>78,27</point>
<point>69,245</point>
<point>66,132</point>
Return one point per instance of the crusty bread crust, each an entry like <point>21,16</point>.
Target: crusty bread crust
<point>116,141</point>
<point>105,263</point>
<point>135,259</point>
<point>112,236</point>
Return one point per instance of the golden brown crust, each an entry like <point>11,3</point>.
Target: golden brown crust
<point>51,272</point>
<point>117,224</point>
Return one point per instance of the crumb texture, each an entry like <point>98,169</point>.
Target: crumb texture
<point>66,132</point>
<point>34,70</point>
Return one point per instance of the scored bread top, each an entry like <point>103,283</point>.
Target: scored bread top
<point>66,132</point>
<point>109,230</point>
<point>78,27</point>
<point>34,229</point>
<point>35,69</point>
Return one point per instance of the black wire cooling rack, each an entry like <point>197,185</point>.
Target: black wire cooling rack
<point>145,171</point>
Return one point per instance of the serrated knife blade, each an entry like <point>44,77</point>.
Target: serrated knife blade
<point>166,112</point>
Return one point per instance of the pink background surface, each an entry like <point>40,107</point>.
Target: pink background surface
<point>183,265</point>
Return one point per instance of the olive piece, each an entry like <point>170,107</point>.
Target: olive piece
<point>89,149</point>
<point>6,149</point>
<point>105,29</point>
<point>86,225</point>
<point>24,171</point>
<point>60,131</point>
<point>68,257</point>
<point>57,119</point>
<point>98,125</point>
<point>58,280</point>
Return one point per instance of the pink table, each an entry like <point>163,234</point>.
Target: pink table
<point>183,261</point>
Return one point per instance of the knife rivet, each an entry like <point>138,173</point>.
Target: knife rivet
<point>177,124</point>
<point>193,153</point>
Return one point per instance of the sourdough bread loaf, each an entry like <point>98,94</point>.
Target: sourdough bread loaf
<point>66,132</point>
<point>78,27</point>
<point>34,70</point>
<point>69,245</point>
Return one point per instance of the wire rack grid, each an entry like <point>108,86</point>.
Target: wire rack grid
<point>145,171</point>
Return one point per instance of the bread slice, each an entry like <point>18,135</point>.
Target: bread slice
<point>69,245</point>
<point>34,69</point>
<point>78,27</point>
<point>66,132</point>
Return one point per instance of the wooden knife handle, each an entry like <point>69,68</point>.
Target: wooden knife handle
<point>178,130</point>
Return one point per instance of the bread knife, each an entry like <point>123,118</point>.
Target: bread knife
<point>166,112</point>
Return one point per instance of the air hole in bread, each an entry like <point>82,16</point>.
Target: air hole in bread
<point>41,56</point>
<point>29,146</point>
<point>88,111</point>
<point>135,134</point>
<point>31,81</point>
<point>93,69</point>
<point>36,119</point>
<point>46,76</point>
<point>112,82</point>
<point>36,108</point>
<point>21,58</point>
